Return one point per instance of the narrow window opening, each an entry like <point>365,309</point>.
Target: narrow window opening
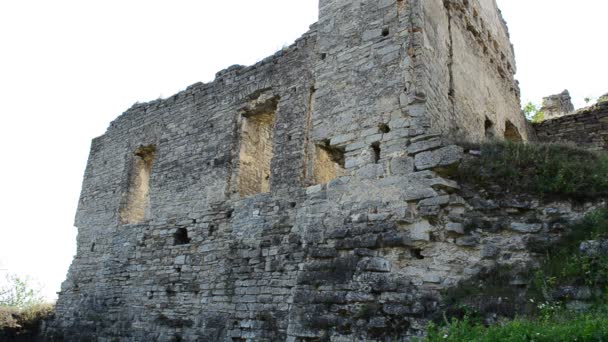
<point>256,148</point>
<point>136,208</point>
<point>489,128</point>
<point>329,163</point>
<point>512,133</point>
<point>93,247</point>
<point>323,56</point>
<point>385,32</point>
<point>376,152</point>
<point>229,213</point>
<point>181,237</point>
<point>211,230</point>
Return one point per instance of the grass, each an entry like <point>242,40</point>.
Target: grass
<point>558,327</point>
<point>546,170</point>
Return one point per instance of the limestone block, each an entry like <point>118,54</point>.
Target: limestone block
<point>526,227</point>
<point>375,265</point>
<point>442,157</point>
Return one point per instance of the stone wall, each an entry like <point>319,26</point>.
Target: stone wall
<point>469,67</point>
<point>587,128</point>
<point>350,231</point>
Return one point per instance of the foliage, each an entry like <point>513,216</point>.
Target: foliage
<point>555,326</point>
<point>22,308</point>
<point>533,112</point>
<point>603,98</point>
<point>546,170</point>
<point>564,265</point>
<point>19,293</point>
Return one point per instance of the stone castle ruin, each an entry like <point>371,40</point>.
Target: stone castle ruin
<point>302,198</point>
<point>557,105</point>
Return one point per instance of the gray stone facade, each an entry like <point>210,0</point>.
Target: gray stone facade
<point>587,128</point>
<point>301,199</point>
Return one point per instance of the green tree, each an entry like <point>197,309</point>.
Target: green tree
<point>533,112</point>
<point>19,292</point>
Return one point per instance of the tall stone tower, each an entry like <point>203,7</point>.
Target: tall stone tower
<point>279,200</point>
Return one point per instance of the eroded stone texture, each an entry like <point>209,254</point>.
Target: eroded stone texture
<point>587,128</point>
<point>303,198</point>
<point>468,66</point>
<point>557,105</point>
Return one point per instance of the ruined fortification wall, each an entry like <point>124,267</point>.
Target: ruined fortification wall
<point>298,199</point>
<point>469,64</point>
<point>587,128</point>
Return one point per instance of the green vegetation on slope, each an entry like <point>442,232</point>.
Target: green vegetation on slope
<point>562,265</point>
<point>546,170</point>
<point>552,328</point>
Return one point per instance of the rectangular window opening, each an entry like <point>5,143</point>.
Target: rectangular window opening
<point>329,163</point>
<point>256,149</point>
<point>137,206</point>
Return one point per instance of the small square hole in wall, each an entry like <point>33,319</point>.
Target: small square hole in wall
<point>329,163</point>
<point>384,128</point>
<point>180,237</point>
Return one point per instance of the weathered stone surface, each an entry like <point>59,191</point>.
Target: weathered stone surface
<point>526,227</point>
<point>442,157</point>
<point>594,248</point>
<point>455,227</point>
<point>467,241</point>
<point>301,198</point>
<point>478,48</point>
<point>558,105</point>
<point>586,128</point>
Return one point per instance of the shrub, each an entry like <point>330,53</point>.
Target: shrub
<point>19,293</point>
<point>533,113</point>
<point>22,309</point>
<point>546,170</point>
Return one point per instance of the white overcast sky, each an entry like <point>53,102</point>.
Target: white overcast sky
<point>69,67</point>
